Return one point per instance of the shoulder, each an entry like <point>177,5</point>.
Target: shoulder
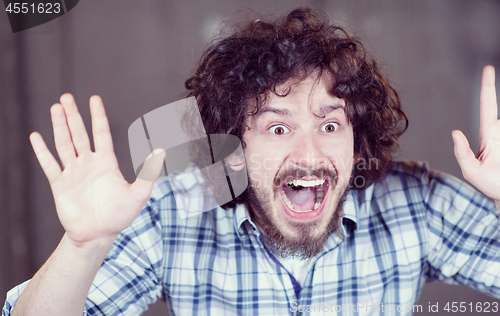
<point>411,184</point>
<point>410,170</point>
<point>403,177</point>
<point>410,175</point>
<point>405,188</point>
<point>190,210</point>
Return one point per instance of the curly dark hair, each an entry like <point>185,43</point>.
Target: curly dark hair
<point>237,73</point>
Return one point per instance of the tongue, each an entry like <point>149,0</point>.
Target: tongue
<point>302,199</point>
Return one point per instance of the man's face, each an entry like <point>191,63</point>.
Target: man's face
<point>299,154</point>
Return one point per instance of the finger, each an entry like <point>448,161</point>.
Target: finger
<point>62,136</point>
<point>75,123</point>
<point>150,171</point>
<point>100,126</point>
<point>47,161</point>
<point>465,156</point>
<point>488,100</point>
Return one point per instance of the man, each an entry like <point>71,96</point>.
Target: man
<point>328,224</point>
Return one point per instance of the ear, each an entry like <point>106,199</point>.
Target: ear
<point>357,158</point>
<point>235,162</point>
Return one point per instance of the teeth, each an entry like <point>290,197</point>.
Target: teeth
<point>306,183</point>
<point>286,200</point>
<point>320,194</point>
<point>299,211</point>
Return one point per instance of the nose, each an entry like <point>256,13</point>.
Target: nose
<point>307,152</point>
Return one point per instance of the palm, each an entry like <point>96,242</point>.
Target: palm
<point>92,198</point>
<point>483,171</point>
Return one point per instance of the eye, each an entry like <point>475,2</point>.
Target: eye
<point>279,129</point>
<point>329,127</point>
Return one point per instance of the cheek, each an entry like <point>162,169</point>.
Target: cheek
<point>342,150</point>
<point>262,167</point>
<point>257,164</point>
<point>254,166</point>
<point>343,160</point>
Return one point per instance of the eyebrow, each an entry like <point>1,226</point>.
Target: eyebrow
<point>327,109</point>
<point>323,111</point>
<point>281,112</point>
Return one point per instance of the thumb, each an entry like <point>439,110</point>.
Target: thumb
<point>465,156</point>
<point>150,171</point>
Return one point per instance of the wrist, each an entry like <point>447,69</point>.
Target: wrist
<point>88,250</point>
<point>61,286</point>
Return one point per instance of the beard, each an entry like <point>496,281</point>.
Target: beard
<point>307,241</point>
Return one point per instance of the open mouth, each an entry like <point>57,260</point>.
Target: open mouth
<point>304,198</point>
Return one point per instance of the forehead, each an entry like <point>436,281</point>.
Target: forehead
<point>312,94</point>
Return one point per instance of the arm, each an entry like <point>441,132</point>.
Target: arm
<point>93,202</point>
<point>483,171</point>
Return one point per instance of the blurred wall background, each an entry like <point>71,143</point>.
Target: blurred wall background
<point>137,54</point>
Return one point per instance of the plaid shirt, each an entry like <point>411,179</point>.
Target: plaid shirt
<point>413,226</point>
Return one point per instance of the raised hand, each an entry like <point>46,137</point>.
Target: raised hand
<point>93,200</point>
<point>483,171</point>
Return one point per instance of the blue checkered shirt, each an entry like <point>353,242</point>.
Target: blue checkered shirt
<point>413,226</point>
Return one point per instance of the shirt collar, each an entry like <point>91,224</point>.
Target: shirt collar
<point>350,217</point>
<point>240,217</point>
